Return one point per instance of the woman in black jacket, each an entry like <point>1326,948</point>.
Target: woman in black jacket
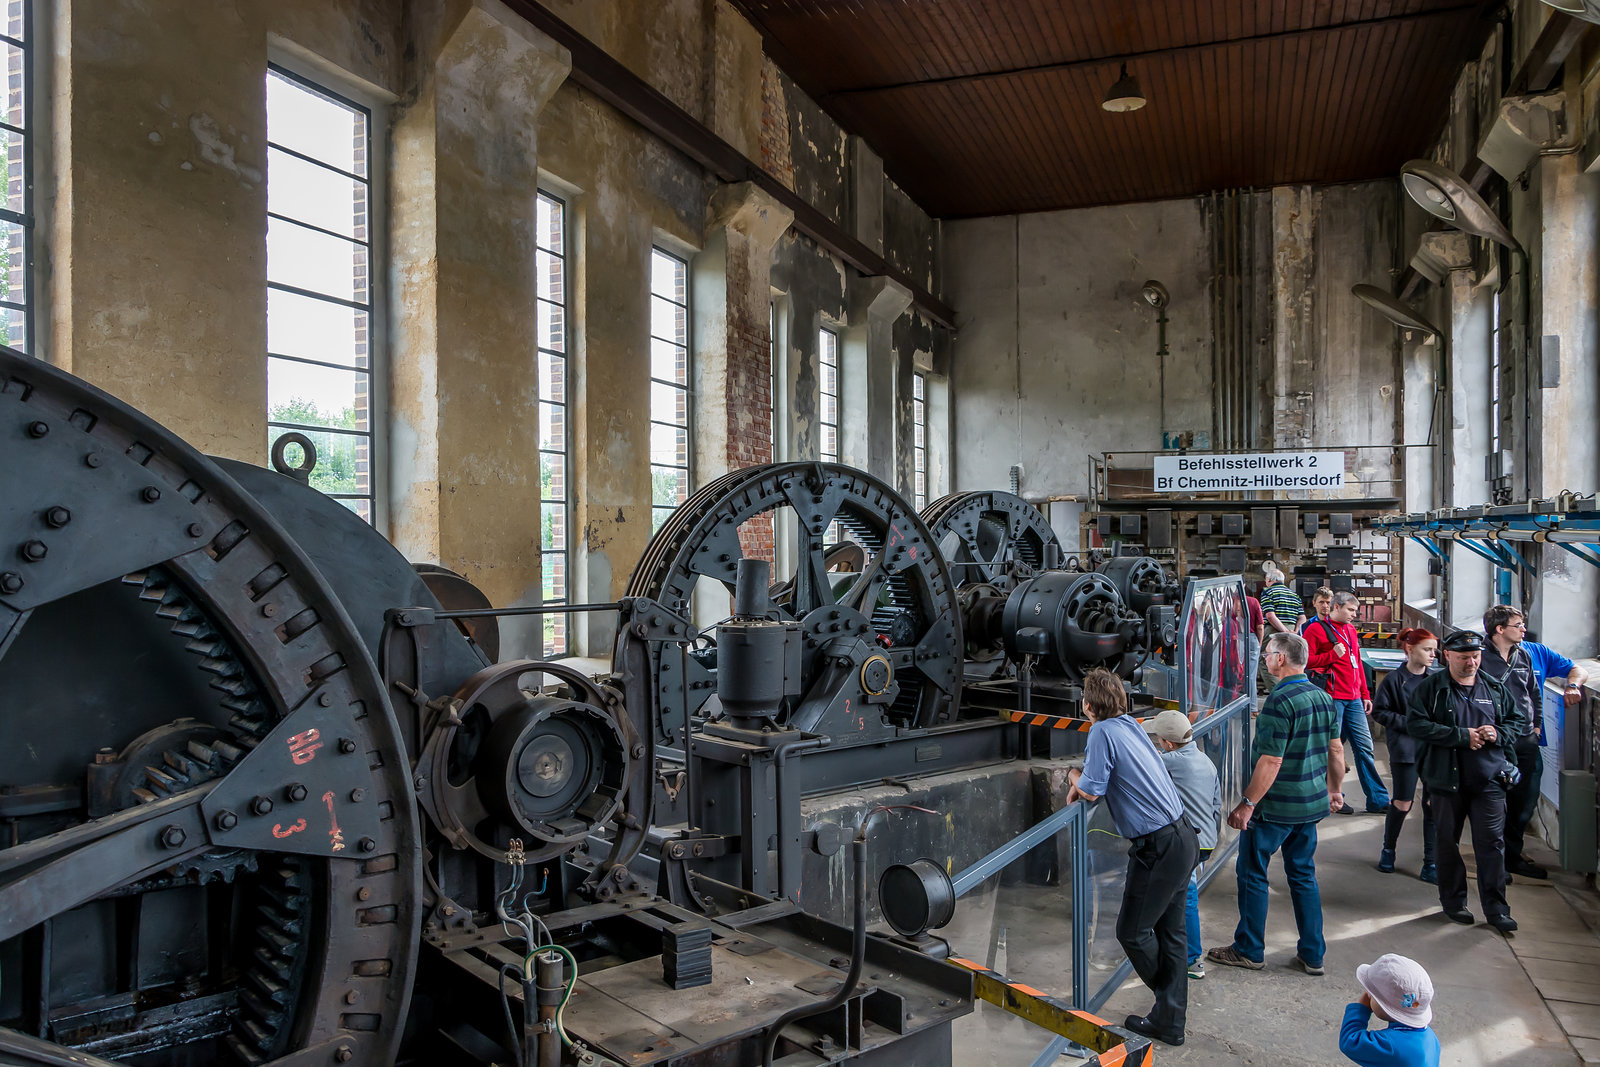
<point>1389,708</point>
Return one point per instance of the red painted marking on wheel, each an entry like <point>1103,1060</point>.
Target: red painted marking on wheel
<point>295,827</point>
<point>303,746</point>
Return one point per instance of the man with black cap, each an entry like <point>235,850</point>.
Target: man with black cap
<point>1467,724</point>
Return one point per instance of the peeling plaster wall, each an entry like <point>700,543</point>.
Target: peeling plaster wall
<point>155,263</point>
<point>157,287</point>
<point>1338,373</point>
<point>628,193</point>
<point>1062,288</point>
<point>818,153</point>
<point>1547,429</point>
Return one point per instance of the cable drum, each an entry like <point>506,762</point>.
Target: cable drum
<point>990,537</point>
<point>904,590</point>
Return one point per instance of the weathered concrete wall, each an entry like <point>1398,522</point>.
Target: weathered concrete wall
<point>1055,354</point>
<point>1557,223</point>
<point>158,288</point>
<point>1548,298</point>
<point>1062,289</point>
<point>155,265</point>
<point>1337,376</point>
<point>464,372</point>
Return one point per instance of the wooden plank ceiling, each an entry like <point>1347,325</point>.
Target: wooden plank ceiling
<point>984,107</point>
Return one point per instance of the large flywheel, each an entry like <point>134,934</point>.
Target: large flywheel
<point>213,849</point>
<point>897,593</point>
<point>992,540</point>
<point>990,537</point>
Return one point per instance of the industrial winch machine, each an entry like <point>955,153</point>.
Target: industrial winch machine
<point>271,795</point>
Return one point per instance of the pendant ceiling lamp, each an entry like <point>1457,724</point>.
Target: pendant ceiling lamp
<point>1124,94</point>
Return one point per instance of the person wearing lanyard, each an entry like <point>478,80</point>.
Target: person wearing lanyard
<point>1467,724</point>
<point>1122,765</point>
<point>1523,666</point>
<point>1336,649</point>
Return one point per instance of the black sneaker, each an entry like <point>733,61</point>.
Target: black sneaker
<point>1460,915</point>
<point>1346,810</point>
<point>1527,868</point>
<point>1504,923</point>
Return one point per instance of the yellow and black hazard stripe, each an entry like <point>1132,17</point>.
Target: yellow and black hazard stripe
<point>1114,1046</point>
<point>1055,722</point>
<point>1068,722</point>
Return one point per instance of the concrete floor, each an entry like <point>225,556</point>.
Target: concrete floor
<point>1488,1007</point>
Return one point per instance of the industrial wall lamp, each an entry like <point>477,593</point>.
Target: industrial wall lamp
<point>1124,94</point>
<point>1587,10</point>
<point>1393,310</point>
<point>1401,315</point>
<point>1443,194</point>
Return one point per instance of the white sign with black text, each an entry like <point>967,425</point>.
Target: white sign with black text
<point>1246,471</point>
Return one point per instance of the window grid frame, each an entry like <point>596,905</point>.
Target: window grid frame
<point>24,219</point>
<point>825,359</point>
<point>687,349</point>
<point>560,643</point>
<point>919,439</point>
<point>367,307</point>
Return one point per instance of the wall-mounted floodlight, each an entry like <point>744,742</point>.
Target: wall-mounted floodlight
<point>1443,194</point>
<point>1393,309</point>
<point>1154,294</point>
<point>1401,315</point>
<point>1587,10</point>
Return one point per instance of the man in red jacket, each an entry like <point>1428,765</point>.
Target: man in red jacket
<point>1336,650</point>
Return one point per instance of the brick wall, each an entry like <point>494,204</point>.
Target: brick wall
<point>777,157</point>
<point>749,382</point>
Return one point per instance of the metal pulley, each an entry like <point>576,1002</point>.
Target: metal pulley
<point>1085,618</point>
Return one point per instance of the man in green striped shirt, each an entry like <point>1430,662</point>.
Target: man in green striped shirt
<point>1299,771</point>
<point>1282,606</point>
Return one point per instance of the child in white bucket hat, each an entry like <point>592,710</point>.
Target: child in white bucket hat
<point>1400,992</point>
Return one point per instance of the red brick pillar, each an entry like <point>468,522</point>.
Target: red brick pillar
<point>733,340</point>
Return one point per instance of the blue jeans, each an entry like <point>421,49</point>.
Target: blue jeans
<point>1353,729</point>
<point>1192,919</point>
<point>1298,843</point>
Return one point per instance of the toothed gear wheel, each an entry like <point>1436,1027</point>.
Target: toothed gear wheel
<point>172,759</point>
<point>156,587</point>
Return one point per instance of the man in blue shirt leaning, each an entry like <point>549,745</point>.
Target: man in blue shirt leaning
<point>1523,667</point>
<point>1122,765</point>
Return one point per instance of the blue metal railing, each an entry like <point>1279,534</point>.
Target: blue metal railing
<point>1225,736</point>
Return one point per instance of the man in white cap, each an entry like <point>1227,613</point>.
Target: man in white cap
<point>1400,992</point>
<point>1196,778</point>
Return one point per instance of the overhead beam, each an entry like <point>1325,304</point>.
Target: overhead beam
<point>1538,70</point>
<point>597,72</point>
<point>1156,53</point>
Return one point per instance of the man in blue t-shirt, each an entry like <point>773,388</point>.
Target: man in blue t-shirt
<point>1123,766</point>
<point>1523,667</point>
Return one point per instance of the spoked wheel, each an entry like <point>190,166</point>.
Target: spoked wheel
<point>990,537</point>
<point>992,541</point>
<point>901,596</point>
<point>213,852</point>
